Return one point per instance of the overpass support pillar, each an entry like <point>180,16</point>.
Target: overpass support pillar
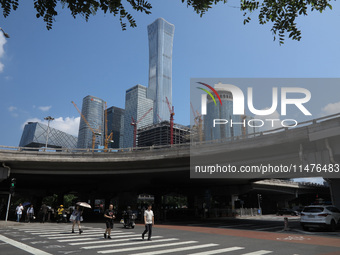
<point>234,198</point>
<point>335,192</point>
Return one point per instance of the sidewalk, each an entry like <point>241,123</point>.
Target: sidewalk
<point>269,217</point>
<point>4,224</point>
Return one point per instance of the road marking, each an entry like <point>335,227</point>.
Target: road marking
<point>146,247</point>
<point>23,247</point>
<point>79,239</point>
<point>114,240</point>
<point>86,231</point>
<point>73,234</point>
<point>261,252</point>
<point>177,249</point>
<point>88,235</point>
<point>68,231</point>
<point>218,251</point>
<point>129,243</point>
<point>260,229</point>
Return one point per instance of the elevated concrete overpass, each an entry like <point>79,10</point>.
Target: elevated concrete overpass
<point>168,168</point>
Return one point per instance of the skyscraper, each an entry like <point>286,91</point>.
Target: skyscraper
<point>224,111</point>
<point>136,105</point>
<point>115,124</point>
<point>93,110</point>
<point>161,34</point>
<point>35,135</point>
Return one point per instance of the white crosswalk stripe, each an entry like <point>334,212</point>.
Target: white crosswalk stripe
<point>177,249</point>
<point>262,252</point>
<point>218,251</point>
<point>88,235</point>
<point>147,247</point>
<point>114,240</point>
<point>129,243</point>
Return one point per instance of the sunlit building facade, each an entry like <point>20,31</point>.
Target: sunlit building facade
<point>136,105</point>
<point>93,110</point>
<point>160,34</point>
<point>35,135</point>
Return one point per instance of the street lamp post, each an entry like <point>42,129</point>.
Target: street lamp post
<point>48,118</point>
<point>5,34</point>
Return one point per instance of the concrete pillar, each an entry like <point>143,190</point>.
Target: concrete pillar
<point>233,199</point>
<point>335,191</point>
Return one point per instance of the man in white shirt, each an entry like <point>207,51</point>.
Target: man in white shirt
<point>18,211</point>
<point>149,221</point>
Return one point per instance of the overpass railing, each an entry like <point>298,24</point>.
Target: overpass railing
<point>266,132</point>
<point>174,146</point>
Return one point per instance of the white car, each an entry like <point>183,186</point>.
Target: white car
<point>320,216</point>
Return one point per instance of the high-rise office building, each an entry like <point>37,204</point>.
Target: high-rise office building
<point>161,34</point>
<point>224,111</point>
<point>93,110</point>
<point>115,124</point>
<point>136,105</point>
<point>35,135</point>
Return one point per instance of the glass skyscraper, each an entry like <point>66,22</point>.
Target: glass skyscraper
<point>35,135</point>
<point>93,110</point>
<point>136,105</point>
<point>161,34</point>
<point>115,124</point>
<point>224,111</point>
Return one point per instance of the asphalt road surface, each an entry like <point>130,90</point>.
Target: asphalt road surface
<point>52,238</point>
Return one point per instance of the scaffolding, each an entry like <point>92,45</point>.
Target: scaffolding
<point>159,134</point>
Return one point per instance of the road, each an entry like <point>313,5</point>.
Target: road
<point>52,238</point>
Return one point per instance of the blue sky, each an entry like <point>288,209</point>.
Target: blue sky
<point>42,71</point>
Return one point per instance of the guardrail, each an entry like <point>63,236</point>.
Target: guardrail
<point>174,146</point>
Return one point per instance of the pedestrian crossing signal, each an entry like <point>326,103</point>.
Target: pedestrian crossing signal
<point>12,187</point>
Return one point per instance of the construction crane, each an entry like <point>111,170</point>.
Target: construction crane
<point>198,122</point>
<point>172,113</point>
<point>134,124</point>
<point>88,124</point>
<point>108,138</point>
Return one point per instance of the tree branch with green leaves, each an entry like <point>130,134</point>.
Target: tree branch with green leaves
<point>281,13</point>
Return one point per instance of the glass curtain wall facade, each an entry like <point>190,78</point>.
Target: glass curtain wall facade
<point>160,34</point>
<point>136,105</point>
<point>224,111</point>
<point>93,110</point>
<point>115,123</point>
<point>35,135</point>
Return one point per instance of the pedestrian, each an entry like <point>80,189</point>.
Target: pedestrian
<point>109,215</point>
<point>43,210</point>
<point>30,213</point>
<point>149,220</point>
<point>18,211</point>
<point>76,217</point>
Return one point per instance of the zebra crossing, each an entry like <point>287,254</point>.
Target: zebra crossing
<point>123,241</point>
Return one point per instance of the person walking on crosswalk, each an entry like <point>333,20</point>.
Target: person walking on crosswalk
<point>109,216</point>
<point>149,221</point>
<point>76,218</point>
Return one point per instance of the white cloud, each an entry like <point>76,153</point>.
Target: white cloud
<point>12,108</point>
<point>2,51</point>
<point>331,108</point>
<point>269,125</point>
<point>68,125</point>
<point>44,108</point>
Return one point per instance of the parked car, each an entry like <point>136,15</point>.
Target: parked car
<point>320,216</point>
<point>286,211</point>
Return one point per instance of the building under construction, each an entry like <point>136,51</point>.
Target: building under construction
<point>159,134</point>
